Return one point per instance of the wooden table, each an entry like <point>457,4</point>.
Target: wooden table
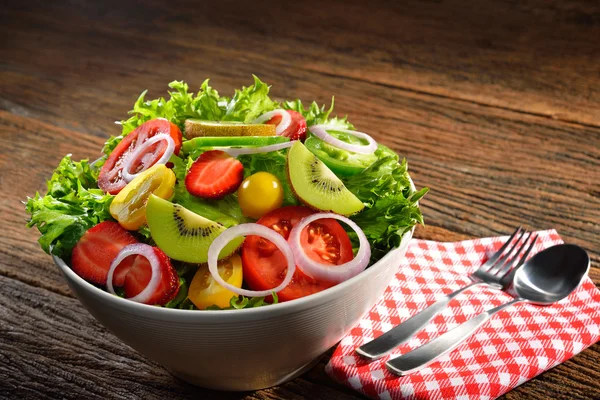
<point>495,104</point>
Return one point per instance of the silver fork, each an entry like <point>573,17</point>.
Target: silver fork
<point>491,273</point>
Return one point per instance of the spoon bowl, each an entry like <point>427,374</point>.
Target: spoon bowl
<point>551,275</point>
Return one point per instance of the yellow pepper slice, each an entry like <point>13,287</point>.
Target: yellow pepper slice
<point>129,205</point>
<point>204,291</point>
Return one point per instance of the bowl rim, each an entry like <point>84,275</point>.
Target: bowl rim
<point>271,310</point>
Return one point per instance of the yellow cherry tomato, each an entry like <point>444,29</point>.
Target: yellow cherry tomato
<point>129,205</point>
<point>260,193</point>
<point>204,291</point>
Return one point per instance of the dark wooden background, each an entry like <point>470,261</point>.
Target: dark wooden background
<point>496,105</point>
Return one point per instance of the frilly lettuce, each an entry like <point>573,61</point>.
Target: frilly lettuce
<point>72,205</point>
<point>315,115</point>
<point>391,207</point>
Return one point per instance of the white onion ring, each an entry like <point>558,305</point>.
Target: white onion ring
<point>143,250</point>
<point>321,132</point>
<point>234,152</point>
<point>250,229</point>
<point>327,272</point>
<point>143,147</point>
<point>285,122</point>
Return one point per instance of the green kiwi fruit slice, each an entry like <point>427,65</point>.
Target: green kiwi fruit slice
<point>317,186</point>
<point>197,128</point>
<point>182,234</point>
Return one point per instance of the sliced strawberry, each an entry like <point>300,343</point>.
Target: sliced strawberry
<point>297,128</point>
<point>139,276</point>
<point>97,248</point>
<point>214,175</point>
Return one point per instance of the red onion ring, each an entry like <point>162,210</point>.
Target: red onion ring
<point>285,122</point>
<point>321,132</point>
<point>327,272</point>
<point>244,230</point>
<point>238,151</point>
<point>143,147</point>
<point>143,250</point>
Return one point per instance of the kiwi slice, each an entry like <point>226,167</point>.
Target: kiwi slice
<point>182,234</point>
<point>317,186</point>
<point>197,128</point>
<point>231,141</point>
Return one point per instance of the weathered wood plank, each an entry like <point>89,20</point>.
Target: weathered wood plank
<point>51,347</point>
<point>484,52</point>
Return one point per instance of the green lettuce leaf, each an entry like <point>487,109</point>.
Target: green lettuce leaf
<point>72,205</point>
<point>249,103</point>
<point>225,211</point>
<point>240,302</point>
<point>206,104</point>
<point>391,207</point>
<point>315,115</point>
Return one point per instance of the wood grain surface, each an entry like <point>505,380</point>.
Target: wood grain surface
<point>495,104</point>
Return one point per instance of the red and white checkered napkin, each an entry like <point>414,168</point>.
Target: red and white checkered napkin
<point>513,347</point>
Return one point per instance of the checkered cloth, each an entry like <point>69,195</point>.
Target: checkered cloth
<point>512,347</point>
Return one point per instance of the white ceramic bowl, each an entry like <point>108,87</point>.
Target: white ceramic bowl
<point>266,345</point>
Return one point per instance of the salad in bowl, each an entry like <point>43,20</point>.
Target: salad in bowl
<point>206,202</point>
<point>241,228</point>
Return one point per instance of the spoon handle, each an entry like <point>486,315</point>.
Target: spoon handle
<point>432,350</point>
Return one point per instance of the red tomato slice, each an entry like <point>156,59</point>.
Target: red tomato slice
<point>97,248</point>
<point>110,179</point>
<point>139,276</point>
<point>297,128</point>
<point>264,265</point>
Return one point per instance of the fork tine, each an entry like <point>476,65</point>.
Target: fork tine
<point>504,258</point>
<point>526,254</point>
<point>507,266</point>
<point>492,260</point>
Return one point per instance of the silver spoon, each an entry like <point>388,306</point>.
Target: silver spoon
<point>548,277</point>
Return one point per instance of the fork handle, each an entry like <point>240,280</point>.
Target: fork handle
<point>432,350</point>
<point>401,333</point>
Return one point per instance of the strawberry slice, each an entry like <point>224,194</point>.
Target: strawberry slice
<point>214,175</point>
<point>97,248</point>
<point>139,276</point>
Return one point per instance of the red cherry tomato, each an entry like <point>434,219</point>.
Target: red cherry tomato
<point>264,264</point>
<point>110,179</point>
<point>297,128</point>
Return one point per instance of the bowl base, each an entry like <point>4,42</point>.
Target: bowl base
<point>236,385</point>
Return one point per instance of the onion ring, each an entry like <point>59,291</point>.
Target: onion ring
<point>143,147</point>
<point>238,151</point>
<point>320,131</point>
<point>143,250</point>
<point>243,230</point>
<point>328,272</point>
<point>285,122</point>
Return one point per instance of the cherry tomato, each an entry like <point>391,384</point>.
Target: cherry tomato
<point>297,128</point>
<point>204,291</point>
<point>259,194</point>
<point>264,265</point>
<point>110,179</point>
<point>129,205</point>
